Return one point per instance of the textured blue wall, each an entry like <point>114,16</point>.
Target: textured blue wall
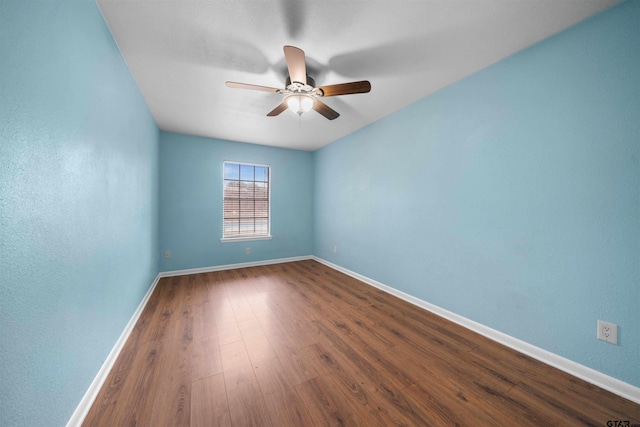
<point>511,197</point>
<point>78,205</point>
<point>191,202</point>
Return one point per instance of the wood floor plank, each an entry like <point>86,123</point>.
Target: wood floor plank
<point>259,349</point>
<point>314,298</point>
<point>205,352</point>
<point>301,344</point>
<point>246,403</point>
<point>382,378</point>
<point>301,363</point>
<point>365,392</point>
<point>209,405</point>
<point>228,332</point>
<point>428,401</point>
<point>171,404</point>
<point>325,405</point>
<point>234,356</point>
<point>286,408</point>
<point>272,376</point>
<point>206,359</point>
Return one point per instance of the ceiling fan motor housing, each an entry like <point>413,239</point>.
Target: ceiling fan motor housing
<point>310,83</point>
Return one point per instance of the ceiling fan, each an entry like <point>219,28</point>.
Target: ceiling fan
<point>301,93</point>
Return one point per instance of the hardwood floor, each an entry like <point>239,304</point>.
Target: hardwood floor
<point>300,344</point>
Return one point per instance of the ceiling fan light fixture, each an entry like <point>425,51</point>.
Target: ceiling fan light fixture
<point>300,103</point>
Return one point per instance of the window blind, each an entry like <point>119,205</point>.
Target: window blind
<point>246,200</point>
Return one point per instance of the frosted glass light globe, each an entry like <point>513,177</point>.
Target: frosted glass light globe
<point>300,103</point>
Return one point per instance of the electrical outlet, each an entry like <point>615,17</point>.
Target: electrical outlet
<point>167,254</point>
<point>335,249</point>
<point>608,332</point>
<point>248,251</point>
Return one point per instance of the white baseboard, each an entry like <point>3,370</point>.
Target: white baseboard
<point>592,376</point>
<point>90,396</point>
<point>232,266</point>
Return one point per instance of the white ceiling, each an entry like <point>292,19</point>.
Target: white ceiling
<point>181,52</point>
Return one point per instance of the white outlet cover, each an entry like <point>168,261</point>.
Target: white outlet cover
<point>608,332</point>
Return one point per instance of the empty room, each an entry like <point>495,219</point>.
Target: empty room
<point>310,213</point>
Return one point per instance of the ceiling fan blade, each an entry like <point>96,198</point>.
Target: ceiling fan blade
<point>325,110</point>
<point>296,65</point>
<point>279,109</point>
<point>251,87</point>
<point>346,88</point>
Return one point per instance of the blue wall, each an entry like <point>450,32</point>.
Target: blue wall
<point>78,205</point>
<point>191,202</point>
<point>511,197</point>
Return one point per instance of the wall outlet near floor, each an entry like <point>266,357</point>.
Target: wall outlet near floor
<point>608,332</point>
<point>335,249</point>
<point>167,254</point>
<point>248,251</point>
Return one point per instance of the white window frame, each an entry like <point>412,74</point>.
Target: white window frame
<point>247,237</point>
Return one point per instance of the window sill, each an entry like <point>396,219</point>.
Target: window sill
<point>244,238</point>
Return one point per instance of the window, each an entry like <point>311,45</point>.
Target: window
<point>246,201</point>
